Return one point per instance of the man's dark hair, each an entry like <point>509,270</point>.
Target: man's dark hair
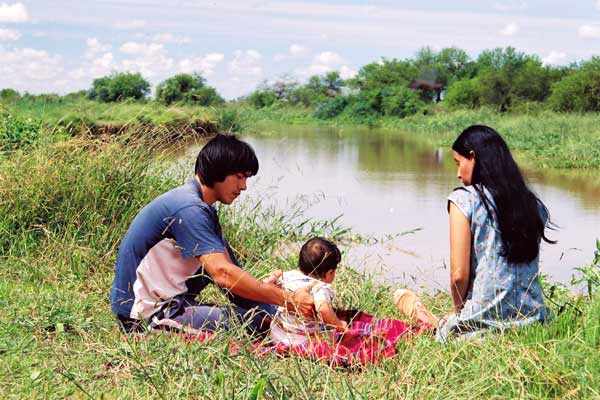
<point>224,155</point>
<point>317,256</point>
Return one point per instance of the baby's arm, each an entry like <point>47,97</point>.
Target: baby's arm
<point>329,317</point>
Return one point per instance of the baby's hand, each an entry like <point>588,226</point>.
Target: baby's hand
<point>273,277</point>
<point>343,327</point>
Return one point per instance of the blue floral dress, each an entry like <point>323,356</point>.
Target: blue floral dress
<point>500,294</point>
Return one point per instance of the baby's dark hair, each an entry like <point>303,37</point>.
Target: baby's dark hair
<point>317,256</point>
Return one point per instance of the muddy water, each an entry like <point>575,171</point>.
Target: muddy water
<point>383,185</point>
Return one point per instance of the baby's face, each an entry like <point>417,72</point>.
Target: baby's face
<point>329,276</point>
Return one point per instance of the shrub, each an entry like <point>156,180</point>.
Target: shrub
<point>9,95</point>
<point>119,87</point>
<point>400,102</point>
<point>187,88</point>
<point>331,108</point>
<point>16,132</point>
<point>580,91</point>
<point>262,98</point>
<point>204,96</point>
<point>464,93</point>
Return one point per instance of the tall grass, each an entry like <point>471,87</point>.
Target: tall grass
<point>63,209</point>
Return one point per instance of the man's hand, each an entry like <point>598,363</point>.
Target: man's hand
<point>273,277</point>
<point>301,302</point>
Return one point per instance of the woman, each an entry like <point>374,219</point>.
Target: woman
<point>496,225</point>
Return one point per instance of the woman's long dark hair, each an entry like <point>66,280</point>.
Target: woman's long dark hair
<point>517,209</point>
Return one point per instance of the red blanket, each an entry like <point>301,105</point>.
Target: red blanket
<point>368,341</point>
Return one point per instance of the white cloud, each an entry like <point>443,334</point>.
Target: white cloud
<point>297,50</point>
<point>294,51</point>
<point>166,37</point>
<point>555,58</point>
<point>9,35</point>
<point>95,47</point>
<point>131,25</point>
<point>13,14</point>
<point>205,64</point>
<point>28,69</point>
<point>510,29</point>
<point>589,32</point>
<point>245,72</point>
<point>150,59</point>
<point>598,4</point>
<point>135,48</point>
<point>246,63</point>
<point>347,72</point>
<point>325,62</point>
<point>328,58</point>
<point>510,5</point>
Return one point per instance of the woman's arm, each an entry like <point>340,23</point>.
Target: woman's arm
<point>460,256</point>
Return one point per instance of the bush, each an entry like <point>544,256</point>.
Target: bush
<point>187,88</point>
<point>400,102</point>
<point>205,96</point>
<point>580,91</point>
<point>229,120</point>
<point>330,109</point>
<point>464,93</point>
<point>119,87</point>
<point>9,95</point>
<point>16,132</point>
<point>262,98</point>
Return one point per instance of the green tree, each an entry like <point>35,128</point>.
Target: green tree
<point>400,101</point>
<point>463,93</point>
<point>176,88</point>
<point>262,98</point>
<point>119,86</point>
<point>385,73</point>
<point>579,91</point>
<point>8,95</point>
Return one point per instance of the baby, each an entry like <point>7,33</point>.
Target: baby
<point>318,261</point>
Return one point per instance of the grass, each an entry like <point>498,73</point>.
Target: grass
<point>65,204</point>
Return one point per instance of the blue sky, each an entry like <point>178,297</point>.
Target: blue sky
<point>62,45</point>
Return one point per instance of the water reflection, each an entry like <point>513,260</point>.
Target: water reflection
<point>383,184</point>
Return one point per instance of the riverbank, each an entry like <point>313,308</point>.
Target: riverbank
<point>540,139</point>
<point>66,204</point>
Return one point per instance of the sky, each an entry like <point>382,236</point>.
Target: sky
<point>60,46</point>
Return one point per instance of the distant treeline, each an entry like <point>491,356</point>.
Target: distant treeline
<point>502,78</point>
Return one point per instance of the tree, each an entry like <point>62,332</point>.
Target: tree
<point>463,93</point>
<point>332,83</point>
<point>8,95</point>
<point>262,98</point>
<point>175,88</point>
<point>579,91</point>
<point>119,86</point>
<point>385,73</point>
<point>204,96</point>
<point>400,101</point>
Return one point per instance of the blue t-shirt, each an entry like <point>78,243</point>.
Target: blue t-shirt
<point>500,294</point>
<point>158,256</point>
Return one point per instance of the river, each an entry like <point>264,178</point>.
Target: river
<point>381,184</point>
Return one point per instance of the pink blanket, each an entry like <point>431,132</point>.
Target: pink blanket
<point>368,341</point>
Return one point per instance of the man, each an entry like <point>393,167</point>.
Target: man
<point>174,248</point>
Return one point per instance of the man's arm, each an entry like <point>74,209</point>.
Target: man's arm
<point>231,277</point>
